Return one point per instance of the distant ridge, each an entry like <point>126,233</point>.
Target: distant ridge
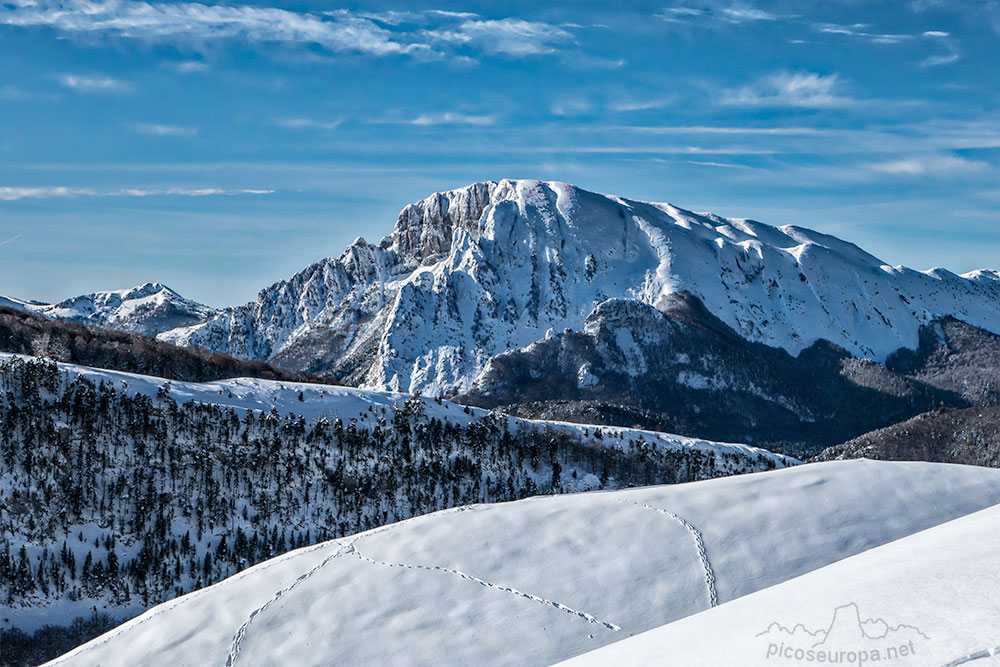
<point>146,309</point>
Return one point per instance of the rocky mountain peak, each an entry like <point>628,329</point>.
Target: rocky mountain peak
<point>424,229</point>
<point>471,273</point>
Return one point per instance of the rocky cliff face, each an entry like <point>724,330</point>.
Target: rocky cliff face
<point>472,273</point>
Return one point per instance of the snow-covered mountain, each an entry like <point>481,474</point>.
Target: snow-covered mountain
<point>932,598</point>
<point>470,273</point>
<point>147,309</point>
<point>545,579</point>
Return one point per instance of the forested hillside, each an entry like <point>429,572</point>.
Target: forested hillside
<point>116,497</point>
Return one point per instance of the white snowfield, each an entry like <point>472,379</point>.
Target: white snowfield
<point>546,579</point>
<point>928,599</point>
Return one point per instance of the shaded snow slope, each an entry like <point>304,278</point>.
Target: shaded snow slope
<point>470,273</point>
<point>928,599</point>
<point>147,309</point>
<point>544,579</point>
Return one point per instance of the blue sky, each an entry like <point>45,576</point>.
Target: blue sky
<point>220,147</point>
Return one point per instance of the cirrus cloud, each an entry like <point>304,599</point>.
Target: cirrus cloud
<point>82,83</point>
<point>369,33</point>
<point>12,193</point>
<point>510,36</point>
<point>929,165</point>
<point>790,89</point>
<point>166,130</point>
<point>193,21</point>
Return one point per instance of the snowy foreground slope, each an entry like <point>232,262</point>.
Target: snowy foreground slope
<point>470,273</point>
<point>928,599</point>
<point>540,580</point>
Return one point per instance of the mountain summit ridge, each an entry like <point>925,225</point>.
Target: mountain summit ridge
<point>474,272</point>
<point>469,273</point>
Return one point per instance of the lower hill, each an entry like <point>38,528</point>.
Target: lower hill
<point>545,579</point>
<point>120,491</point>
<point>22,332</point>
<point>970,435</point>
<point>680,369</point>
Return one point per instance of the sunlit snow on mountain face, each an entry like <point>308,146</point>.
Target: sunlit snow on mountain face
<point>467,274</point>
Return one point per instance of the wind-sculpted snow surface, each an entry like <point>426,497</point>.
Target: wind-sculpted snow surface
<point>545,579</point>
<point>928,599</point>
<point>471,273</point>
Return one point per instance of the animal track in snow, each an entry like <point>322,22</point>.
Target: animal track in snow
<point>234,651</point>
<point>242,630</point>
<point>170,605</point>
<point>713,597</point>
<point>506,589</point>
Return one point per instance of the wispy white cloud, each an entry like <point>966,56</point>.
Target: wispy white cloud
<point>399,17</point>
<point>190,66</point>
<point>309,123</point>
<point>571,106</point>
<point>790,89</point>
<point>93,83</point>
<point>13,193</point>
<point>651,150</point>
<point>929,165</point>
<point>860,30</point>
<point>453,118</point>
<point>371,33</point>
<point>16,94</point>
<point>11,239</point>
<point>510,36</point>
<point>722,129</point>
<point>944,59</point>
<point>193,21</point>
<point>637,104</point>
<point>741,13</point>
<point>952,49</point>
<point>724,165</point>
<point>166,130</point>
<point>48,192</point>
<point>720,13</point>
<point>724,12</point>
<point>680,14</point>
